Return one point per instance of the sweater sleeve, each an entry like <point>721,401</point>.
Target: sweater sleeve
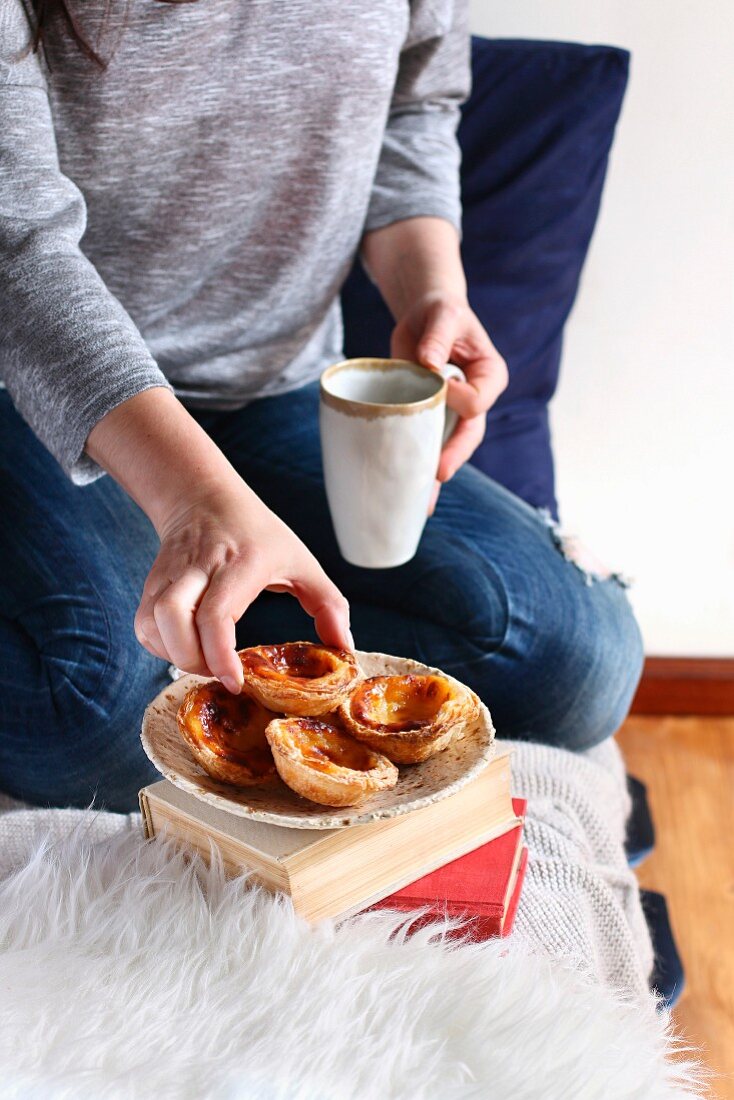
<point>418,169</point>
<point>69,353</point>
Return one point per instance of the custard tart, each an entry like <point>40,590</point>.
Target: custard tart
<point>325,765</point>
<point>408,718</point>
<point>299,678</point>
<point>226,734</point>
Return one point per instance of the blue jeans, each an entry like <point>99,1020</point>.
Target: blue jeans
<point>489,598</point>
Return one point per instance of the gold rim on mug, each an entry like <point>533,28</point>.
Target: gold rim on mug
<point>370,409</point>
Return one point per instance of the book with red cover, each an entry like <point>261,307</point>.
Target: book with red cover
<point>482,888</point>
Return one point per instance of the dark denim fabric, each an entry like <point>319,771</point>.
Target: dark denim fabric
<point>489,598</point>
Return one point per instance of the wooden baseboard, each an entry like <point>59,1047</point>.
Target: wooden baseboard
<point>686,685</point>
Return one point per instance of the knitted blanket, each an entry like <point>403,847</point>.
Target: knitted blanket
<point>580,900</point>
<point>127,971</point>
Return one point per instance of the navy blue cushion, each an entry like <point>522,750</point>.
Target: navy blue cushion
<point>535,137</point>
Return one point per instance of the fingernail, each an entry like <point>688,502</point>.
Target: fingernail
<point>232,685</point>
<point>350,640</point>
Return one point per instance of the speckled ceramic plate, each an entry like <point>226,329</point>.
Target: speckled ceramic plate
<point>418,785</point>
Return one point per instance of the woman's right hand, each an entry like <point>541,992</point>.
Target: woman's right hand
<point>216,556</point>
<point>220,545</point>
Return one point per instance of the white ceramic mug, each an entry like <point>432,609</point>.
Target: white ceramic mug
<point>383,422</point>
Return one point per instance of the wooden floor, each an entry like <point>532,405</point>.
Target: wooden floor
<point>688,766</point>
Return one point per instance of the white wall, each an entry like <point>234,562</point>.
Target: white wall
<point>644,417</point>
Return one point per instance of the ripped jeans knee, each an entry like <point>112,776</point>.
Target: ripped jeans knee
<point>575,551</point>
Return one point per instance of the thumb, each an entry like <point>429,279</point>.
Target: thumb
<point>321,599</point>
<point>439,335</point>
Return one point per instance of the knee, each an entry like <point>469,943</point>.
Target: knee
<point>597,667</point>
<point>462,606</point>
<point>83,725</point>
<point>106,727</point>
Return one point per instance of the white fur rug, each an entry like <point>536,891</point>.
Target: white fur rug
<point>127,973</point>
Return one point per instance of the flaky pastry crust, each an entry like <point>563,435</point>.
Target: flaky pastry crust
<point>408,718</point>
<point>299,678</point>
<point>325,765</point>
<point>226,734</point>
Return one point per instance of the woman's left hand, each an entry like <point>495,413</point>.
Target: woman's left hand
<point>440,328</point>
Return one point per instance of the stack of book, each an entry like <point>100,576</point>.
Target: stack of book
<point>481,889</point>
<point>462,856</point>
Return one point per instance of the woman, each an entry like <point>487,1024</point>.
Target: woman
<point>183,189</point>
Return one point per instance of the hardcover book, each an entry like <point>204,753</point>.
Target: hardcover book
<point>336,872</point>
<point>481,888</point>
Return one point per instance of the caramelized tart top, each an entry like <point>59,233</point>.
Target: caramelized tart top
<point>323,747</point>
<point>393,704</point>
<point>230,726</point>
<point>300,662</point>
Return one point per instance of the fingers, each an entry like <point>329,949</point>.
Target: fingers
<point>173,612</point>
<point>146,628</point>
<point>191,620</point>
<point>154,645</point>
<point>439,334</point>
<point>434,497</point>
<point>465,439</point>
<point>450,332</point>
<point>462,444</point>
<point>320,598</point>
<point>231,590</point>
<point>487,378</point>
<point>402,343</point>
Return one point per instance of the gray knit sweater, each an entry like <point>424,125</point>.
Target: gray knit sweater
<point>187,216</point>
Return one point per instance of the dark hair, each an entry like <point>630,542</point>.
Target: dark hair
<point>47,10</point>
